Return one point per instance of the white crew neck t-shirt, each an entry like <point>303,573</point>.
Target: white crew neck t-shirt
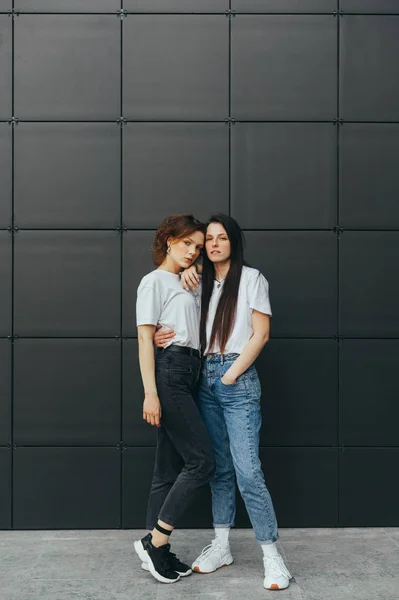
<point>253,294</point>
<point>162,299</point>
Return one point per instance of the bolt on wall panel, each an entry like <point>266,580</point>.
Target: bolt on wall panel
<point>370,6</point>
<point>369,490</point>
<point>299,392</point>
<point>176,67</point>
<point>284,6</point>
<point>137,262</point>
<point>67,67</point>
<point>301,268</point>
<point>67,488</point>
<point>5,175</point>
<point>136,431</point>
<point>369,85</point>
<point>369,392</point>
<point>174,167</point>
<point>73,6</point>
<point>67,283</point>
<point>67,175</point>
<point>5,392</point>
<point>284,175</point>
<point>5,487</point>
<point>308,497</point>
<point>176,6</point>
<point>284,67</point>
<point>369,287</point>
<point>67,391</point>
<point>5,282</point>
<point>5,66</point>
<point>369,176</point>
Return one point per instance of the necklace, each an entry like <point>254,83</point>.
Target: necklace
<point>219,282</point>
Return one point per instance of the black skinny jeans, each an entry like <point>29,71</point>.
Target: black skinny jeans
<point>184,460</point>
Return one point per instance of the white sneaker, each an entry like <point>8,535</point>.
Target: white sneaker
<point>277,576</point>
<point>213,557</point>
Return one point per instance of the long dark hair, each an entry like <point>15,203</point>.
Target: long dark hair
<point>227,306</point>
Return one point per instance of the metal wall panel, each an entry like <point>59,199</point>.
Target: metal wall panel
<point>369,85</point>
<point>67,175</point>
<point>284,6</point>
<point>285,81</point>
<point>72,280</point>
<point>136,431</point>
<point>54,83</point>
<point>5,485</point>
<point>176,6</point>
<point>370,6</point>
<point>74,6</point>
<point>67,392</point>
<point>369,176</point>
<point>67,488</point>
<point>301,268</point>
<point>5,175</point>
<point>5,67</point>
<point>369,287</point>
<point>369,392</point>
<point>157,155</point>
<point>6,282</point>
<point>176,67</point>
<point>299,392</point>
<point>369,494</point>
<point>5,392</point>
<point>284,175</point>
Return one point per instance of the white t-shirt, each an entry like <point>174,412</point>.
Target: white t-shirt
<point>162,299</point>
<point>253,294</point>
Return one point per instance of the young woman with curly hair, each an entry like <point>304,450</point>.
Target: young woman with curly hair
<point>184,458</point>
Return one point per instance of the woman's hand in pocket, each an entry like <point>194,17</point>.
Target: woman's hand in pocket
<point>152,411</point>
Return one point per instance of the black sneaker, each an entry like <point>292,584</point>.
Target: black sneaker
<point>180,568</point>
<point>159,562</point>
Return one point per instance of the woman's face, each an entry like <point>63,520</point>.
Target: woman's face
<point>184,251</point>
<point>217,243</point>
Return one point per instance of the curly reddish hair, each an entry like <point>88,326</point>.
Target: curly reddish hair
<point>175,226</point>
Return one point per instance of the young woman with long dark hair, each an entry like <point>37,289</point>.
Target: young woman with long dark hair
<point>184,459</point>
<point>235,324</point>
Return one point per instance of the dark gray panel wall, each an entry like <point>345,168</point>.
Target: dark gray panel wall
<point>274,80</point>
<point>284,116</point>
<point>182,83</point>
<point>5,175</point>
<point>51,82</point>
<point>5,66</point>
<point>60,168</point>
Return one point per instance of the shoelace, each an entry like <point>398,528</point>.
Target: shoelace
<point>164,555</point>
<point>277,563</point>
<point>208,549</point>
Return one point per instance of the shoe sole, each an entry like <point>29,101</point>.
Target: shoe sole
<point>138,546</point>
<point>197,569</point>
<point>274,588</point>
<point>144,566</point>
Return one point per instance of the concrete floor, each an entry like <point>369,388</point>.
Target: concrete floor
<point>328,564</point>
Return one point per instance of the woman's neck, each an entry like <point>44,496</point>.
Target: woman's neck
<point>170,265</point>
<point>221,270</point>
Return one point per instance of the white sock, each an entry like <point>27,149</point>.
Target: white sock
<point>269,549</point>
<point>222,534</point>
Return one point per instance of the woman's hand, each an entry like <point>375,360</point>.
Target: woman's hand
<point>190,278</point>
<point>162,338</point>
<point>152,411</point>
<point>226,380</point>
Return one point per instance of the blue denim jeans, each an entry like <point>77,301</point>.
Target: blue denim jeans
<point>233,418</point>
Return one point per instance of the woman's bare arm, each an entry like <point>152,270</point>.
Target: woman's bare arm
<point>152,407</point>
<point>261,334</point>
